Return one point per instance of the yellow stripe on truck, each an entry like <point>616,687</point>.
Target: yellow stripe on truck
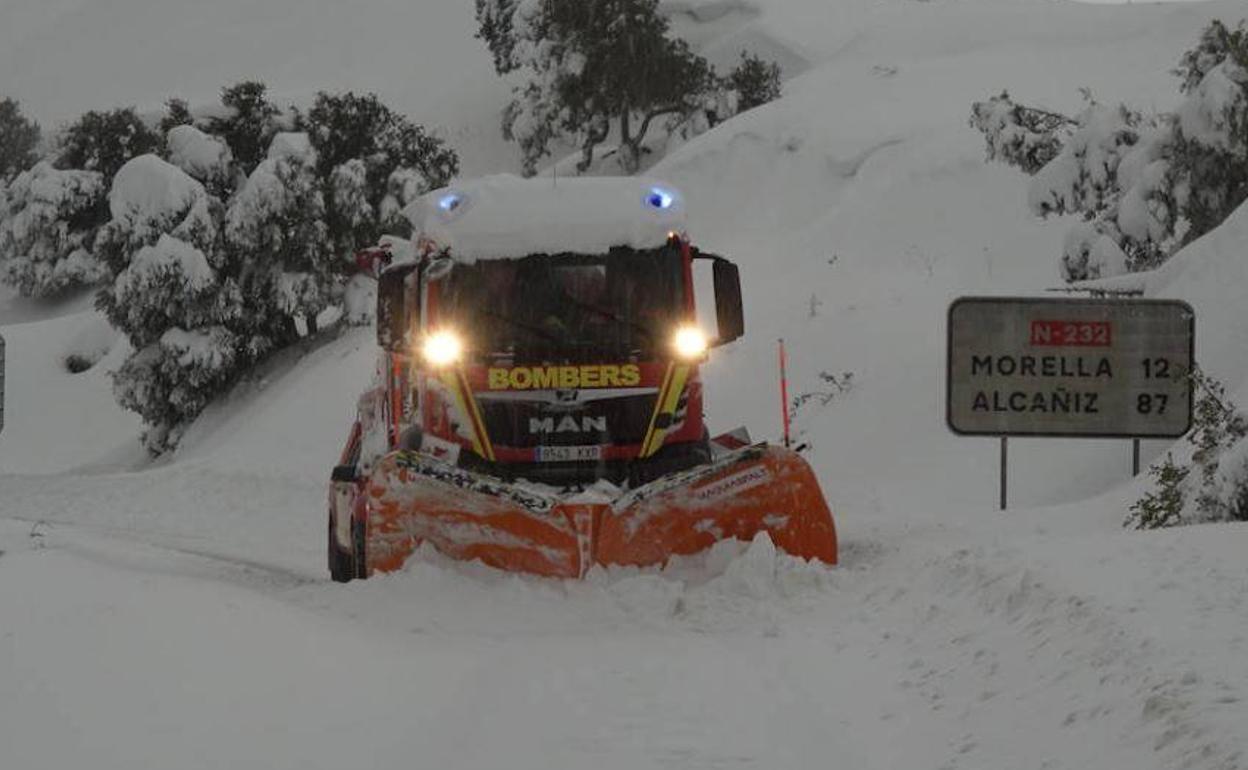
<point>457,383</point>
<point>674,381</point>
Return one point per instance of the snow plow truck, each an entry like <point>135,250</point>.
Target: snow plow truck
<point>537,404</point>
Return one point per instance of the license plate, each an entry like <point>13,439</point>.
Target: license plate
<point>563,454</point>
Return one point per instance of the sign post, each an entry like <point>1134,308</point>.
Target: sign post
<point>1090,368</point>
<point>1005,472</point>
<point>1,384</point>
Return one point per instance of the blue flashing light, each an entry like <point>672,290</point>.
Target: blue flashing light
<point>449,203</point>
<point>659,198</point>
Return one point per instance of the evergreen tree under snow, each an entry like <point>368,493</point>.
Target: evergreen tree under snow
<point>1143,187</point>
<point>591,69</point>
<point>169,293</point>
<point>19,140</point>
<point>47,226</point>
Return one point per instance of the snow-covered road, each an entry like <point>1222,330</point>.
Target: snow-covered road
<point>999,641</point>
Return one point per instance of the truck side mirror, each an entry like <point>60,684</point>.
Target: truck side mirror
<point>729,311</point>
<point>396,304</point>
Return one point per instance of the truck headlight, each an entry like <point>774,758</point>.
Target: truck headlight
<point>442,348</point>
<point>690,342</point>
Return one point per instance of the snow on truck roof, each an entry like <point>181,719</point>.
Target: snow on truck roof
<point>505,216</point>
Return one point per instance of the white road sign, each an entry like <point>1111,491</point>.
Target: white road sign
<point>1070,367</point>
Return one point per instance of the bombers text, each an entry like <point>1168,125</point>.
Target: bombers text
<point>565,377</point>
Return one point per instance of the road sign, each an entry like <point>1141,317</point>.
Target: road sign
<point>1,384</point>
<point>1070,367</point>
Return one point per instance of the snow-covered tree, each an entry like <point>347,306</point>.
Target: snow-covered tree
<point>205,158</point>
<point>171,294</point>
<point>249,125</point>
<point>352,218</point>
<point>19,140</point>
<point>1021,136</point>
<point>177,113</point>
<point>755,81</point>
<point>588,68</point>
<point>47,226</point>
<point>1112,170</point>
<point>277,222</point>
<point>373,162</point>
<point>1144,187</point>
<point>105,141</point>
<point>1211,135</point>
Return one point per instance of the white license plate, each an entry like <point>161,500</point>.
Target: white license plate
<point>563,454</point>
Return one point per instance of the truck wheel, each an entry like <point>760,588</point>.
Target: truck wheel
<point>341,564</point>
<point>359,562</point>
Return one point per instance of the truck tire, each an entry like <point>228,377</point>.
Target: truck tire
<point>359,560</point>
<point>341,564</point>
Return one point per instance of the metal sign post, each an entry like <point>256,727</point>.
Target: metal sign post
<point>1005,472</point>
<point>1,384</point>
<point>1090,368</point>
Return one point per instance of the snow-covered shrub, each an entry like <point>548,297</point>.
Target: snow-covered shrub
<point>296,143</point>
<point>205,158</point>
<point>105,141</point>
<point>1115,172</point>
<point>755,81</point>
<point>277,222</point>
<point>1025,137</point>
<point>150,197</point>
<point>352,219</point>
<point>171,294</point>
<point>19,140</point>
<point>1227,496</point>
<point>249,125</point>
<point>1084,175</point>
<point>1163,506</point>
<point>1218,435</point>
<point>47,228</point>
<point>1213,486</point>
<point>172,380</point>
<point>1147,185</point>
<point>373,162</point>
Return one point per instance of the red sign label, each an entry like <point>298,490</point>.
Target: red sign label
<point>1082,334</point>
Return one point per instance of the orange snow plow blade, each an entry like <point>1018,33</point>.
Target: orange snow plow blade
<point>414,499</point>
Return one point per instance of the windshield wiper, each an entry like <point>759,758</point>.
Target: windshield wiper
<point>611,316</point>
<point>535,330</point>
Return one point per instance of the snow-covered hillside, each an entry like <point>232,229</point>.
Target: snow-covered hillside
<point>178,615</point>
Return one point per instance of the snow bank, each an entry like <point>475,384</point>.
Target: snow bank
<point>1210,274</point>
<point>56,421</point>
<point>505,216</point>
<point>90,344</point>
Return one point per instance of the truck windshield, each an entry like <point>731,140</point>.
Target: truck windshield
<point>569,307</point>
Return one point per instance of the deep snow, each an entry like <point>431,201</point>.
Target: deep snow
<point>178,614</point>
